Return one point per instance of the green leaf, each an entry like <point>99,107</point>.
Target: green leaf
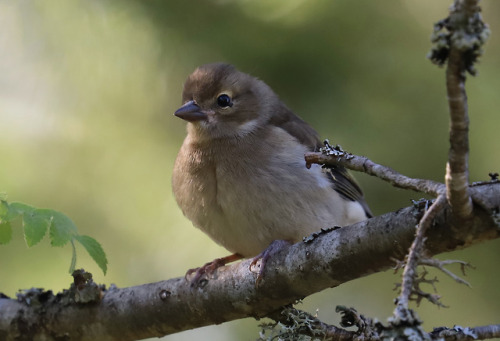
<point>5,232</point>
<point>95,251</point>
<point>62,229</point>
<point>35,226</point>
<point>4,209</point>
<point>16,209</point>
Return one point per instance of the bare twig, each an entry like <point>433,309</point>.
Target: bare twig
<point>439,264</point>
<point>418,294</point>
<point>416,251</point>
<point>337,157</point>
<point>457,172</point>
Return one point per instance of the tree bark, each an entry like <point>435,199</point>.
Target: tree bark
<point>324,260</point>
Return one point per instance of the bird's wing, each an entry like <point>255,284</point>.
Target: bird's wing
<point>341,180</point>
<point>347,187</point>
<point>285,119</point>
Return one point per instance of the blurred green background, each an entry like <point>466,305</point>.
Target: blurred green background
<point>87,92</point>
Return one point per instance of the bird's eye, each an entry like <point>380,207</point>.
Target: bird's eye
<point>224,101</point>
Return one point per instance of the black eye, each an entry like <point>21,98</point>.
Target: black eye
<point>224,101</point>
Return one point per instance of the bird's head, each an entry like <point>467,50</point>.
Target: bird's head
<point>220,102</point>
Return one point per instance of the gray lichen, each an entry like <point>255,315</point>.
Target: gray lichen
<point>462,30</point>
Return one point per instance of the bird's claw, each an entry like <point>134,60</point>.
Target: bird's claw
<point>264,256</point>
<point>201,274</point>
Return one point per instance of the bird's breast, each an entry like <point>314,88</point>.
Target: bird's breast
<point>244,196</point>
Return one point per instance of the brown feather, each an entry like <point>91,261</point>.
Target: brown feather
<point>341,180</point>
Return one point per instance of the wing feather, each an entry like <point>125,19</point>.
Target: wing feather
<point>341,180</point>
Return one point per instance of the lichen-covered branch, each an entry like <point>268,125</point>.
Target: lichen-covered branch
<point>294,324</point>
<point>458,333</point>
<point>458,40</point>
<point>439,264</point>
<point>327,260</point>
<point>335,156</point>
<point>457,172</point>
<point>414,255</point>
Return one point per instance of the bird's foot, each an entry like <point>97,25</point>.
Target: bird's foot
<point>200,279</point>
<point>265,255</point>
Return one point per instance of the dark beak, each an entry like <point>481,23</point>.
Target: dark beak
<point>191,112</point>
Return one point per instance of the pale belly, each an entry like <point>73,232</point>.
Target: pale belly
<point>244,199</point>
<point>247,213</point>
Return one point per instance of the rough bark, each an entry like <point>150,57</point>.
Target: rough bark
<point>325,260</point>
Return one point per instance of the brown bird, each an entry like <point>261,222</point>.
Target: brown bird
<point>240,175</point>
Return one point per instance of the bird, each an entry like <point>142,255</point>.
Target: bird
<point>240,174</point>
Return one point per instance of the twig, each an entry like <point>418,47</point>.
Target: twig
<point>458,40</point>
<point>457,172</point>
<point>438,264</point>
<point>418,294</point>
<point>296,323</point>
<point>365,165</point>
<point>458,333</point>
<point>414,255</point>
<point>487,332</point>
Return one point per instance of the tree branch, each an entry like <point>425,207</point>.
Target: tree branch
<point>460,45</point>
<point>327,260</point>
<point>439,264</point>
<point>414,255</point>
<point>334,156</point>
<point>464,334</point>
<point>295,323</point>
<point>457,172</point>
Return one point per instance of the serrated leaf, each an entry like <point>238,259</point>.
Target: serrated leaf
<point>4,209</point>
<point>62,228</point>
<point>95,251</point>
<point>35,226</point>
<point>5,232</point>
<point>16,209</point>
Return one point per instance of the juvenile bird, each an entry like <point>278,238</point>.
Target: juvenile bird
<point>240,175</point>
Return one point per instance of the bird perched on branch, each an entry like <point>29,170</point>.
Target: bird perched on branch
<point>240,174</point>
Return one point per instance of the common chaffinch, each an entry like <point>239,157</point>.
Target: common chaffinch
<point>240,175</point>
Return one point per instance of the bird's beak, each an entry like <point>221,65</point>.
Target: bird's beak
<point>191,112</point>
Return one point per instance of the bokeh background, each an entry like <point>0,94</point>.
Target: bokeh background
<point>87,92</point>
